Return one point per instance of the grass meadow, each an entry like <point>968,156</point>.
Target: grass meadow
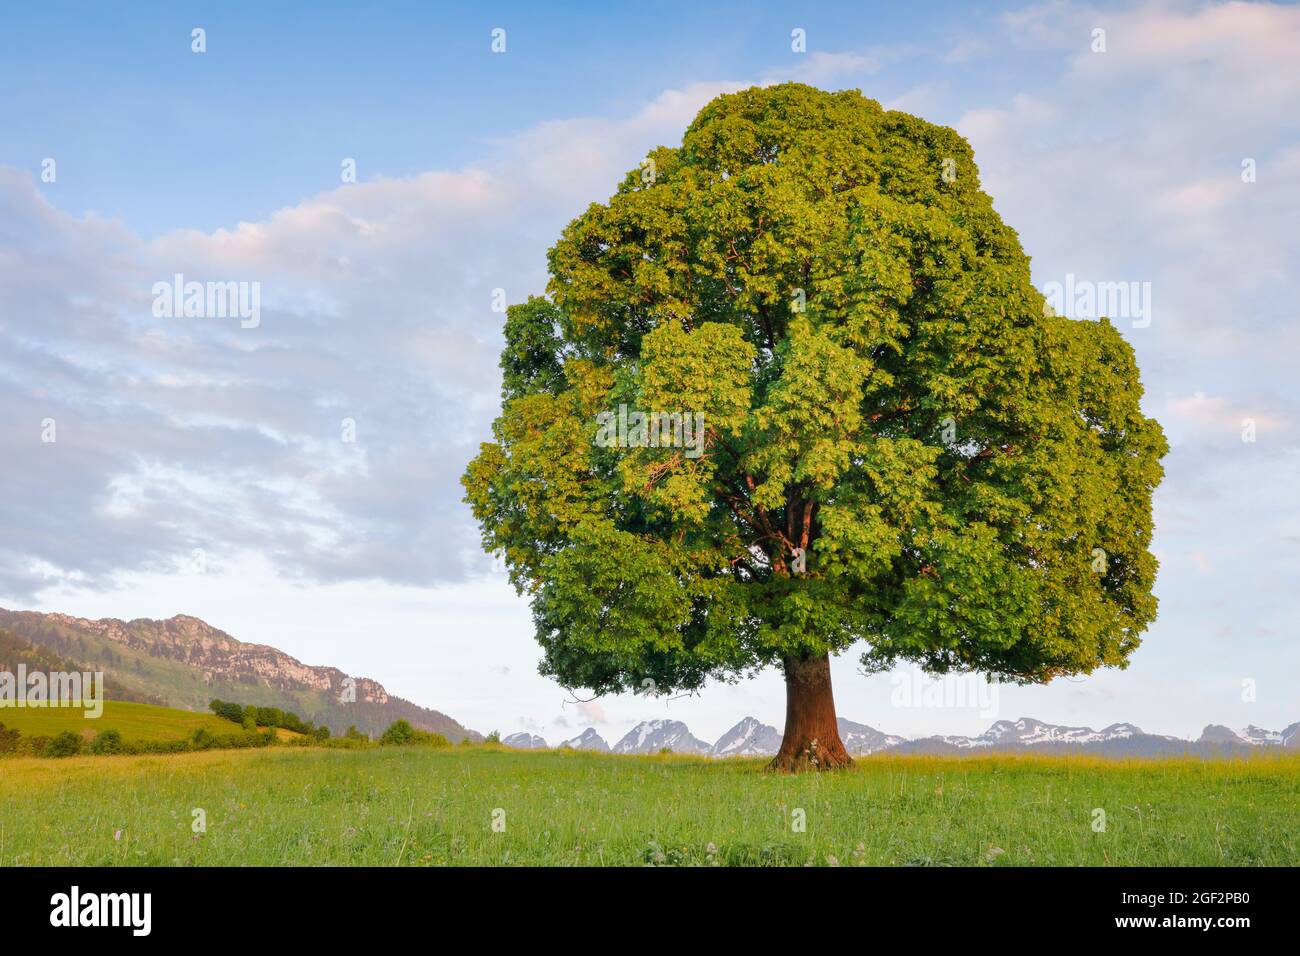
<point>134,721</point>
<point>423,807</point>
<point>143,722</point>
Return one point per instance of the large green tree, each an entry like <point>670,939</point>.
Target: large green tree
<point>902,445</point>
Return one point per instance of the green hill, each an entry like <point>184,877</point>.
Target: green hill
<point>143,722</point>
<point>184,662</point>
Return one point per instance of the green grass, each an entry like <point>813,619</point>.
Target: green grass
<point>133,721</point>
<point>417,806</point>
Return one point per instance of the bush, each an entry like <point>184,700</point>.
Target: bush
<point>251,717</point>
<point>230,711</point>
<point>493,738</point>
<point>107,742</point>
<point>8,740</point>
<point>66,744</point>
<point>398,734</point>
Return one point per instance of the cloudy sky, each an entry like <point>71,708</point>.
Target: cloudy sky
<point>199,467</point>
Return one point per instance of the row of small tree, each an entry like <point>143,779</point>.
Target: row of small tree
<point>108,742</point>
<point>251,717</point>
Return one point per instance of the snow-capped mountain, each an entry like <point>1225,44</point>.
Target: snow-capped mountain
<point>749,738</point>
<point>652,736</point>
<point>753,738</point>
<point>1030,732</point>
<point>859,739</point>
<point>1251,736</point>
<point>1027,732</point>
<point>587,740</point>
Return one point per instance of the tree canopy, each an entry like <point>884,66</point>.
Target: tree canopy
<point>968,475</point>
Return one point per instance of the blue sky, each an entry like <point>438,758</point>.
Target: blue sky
<point>163,138</point>
<point>177,437</point>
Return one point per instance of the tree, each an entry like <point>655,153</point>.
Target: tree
<point>65,744</point>
<point>398,733</point>
<point>901,445</point>
<point>227,710</point>
<point>107,742</point>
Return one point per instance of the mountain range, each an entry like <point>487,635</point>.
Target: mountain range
<point>184,662</point>
<point>753,738</point>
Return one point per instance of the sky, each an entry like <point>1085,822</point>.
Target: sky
<point>199,466</point>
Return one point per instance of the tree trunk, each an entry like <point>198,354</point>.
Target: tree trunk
<point>812,738</point>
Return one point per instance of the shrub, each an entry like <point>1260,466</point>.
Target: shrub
<point>8,740</point>
<point>228,710</point>
<point>66,744</point>
<point>493,738</point>
<point>107,742</point>
<point>399,733</point>
<point>35,746</point>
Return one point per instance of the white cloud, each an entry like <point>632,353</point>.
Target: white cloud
<point>1217,418</point>
<point>823,68</point>
<point>183,433</point>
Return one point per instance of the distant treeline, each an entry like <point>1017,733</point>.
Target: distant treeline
<point>108,742</point>
<point>68,743</point>
<point>399,733</point>
<point>250,717</point>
